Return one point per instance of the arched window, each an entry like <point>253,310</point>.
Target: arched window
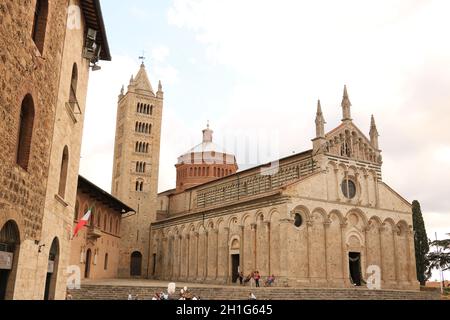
<point>117,226</point>
<point>215,172</point>
<point>190,172</point>
<point>144,168</point>
<point>137,185</point>
<point>151,110</point>
<point>106,262</point>
<point>26,123</point>
<point>142,186</point>
<point>195,172</point>
<point>73,86</point>
<point>105,221</point>
<point>137,126</point>
<point>137,108</point>
<point>63,173</point>
<point>110,225</point>
<point>99,219</point>
<point>137,147</point>
<point>40,24</point>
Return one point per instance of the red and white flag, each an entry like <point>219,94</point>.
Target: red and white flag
<point>82,222</point>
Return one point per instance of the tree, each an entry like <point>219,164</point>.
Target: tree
<point>441,258</point>
<point>421,244</point>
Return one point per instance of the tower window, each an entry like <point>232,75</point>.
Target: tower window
<point>26,124</point>
<point>63,173</point>
<point>40,24</point>
<point>73,86</point>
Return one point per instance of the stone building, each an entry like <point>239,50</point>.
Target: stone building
<point>320,218</point>
<point>95,249</point>
<point>136,167</point>
<point>46,50</point>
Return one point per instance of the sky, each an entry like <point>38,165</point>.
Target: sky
<point>256,68</point>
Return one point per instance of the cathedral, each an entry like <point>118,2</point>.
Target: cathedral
<point>320,218</point>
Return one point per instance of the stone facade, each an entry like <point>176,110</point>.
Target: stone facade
<point>136,168</point>
<point>319,219</point>
<point>40,42</point>
<point>95,249</point>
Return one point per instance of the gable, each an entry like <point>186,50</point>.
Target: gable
<point>348,141</point>
<point>391,200</point>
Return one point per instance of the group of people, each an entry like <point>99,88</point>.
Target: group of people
<point>184,294</point>
<point>254,279</point>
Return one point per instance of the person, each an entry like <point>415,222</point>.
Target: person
<point>136,297</point>
<point>270,281</point>
<point>241,277</point>
<point>252,296</point>
<point>130,297</point>
<point>69,296</point>
<point>257,278</point>
<point>252,279</point>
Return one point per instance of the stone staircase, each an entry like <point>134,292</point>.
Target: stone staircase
<point>114,292</point>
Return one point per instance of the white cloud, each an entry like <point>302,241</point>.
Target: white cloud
<point>160,53</point>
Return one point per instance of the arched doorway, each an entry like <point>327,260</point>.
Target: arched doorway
<point>136,264</point>
<point>235,260</point>
<point>9,254</point>
<point>52,271</point>
<point>87,270</point>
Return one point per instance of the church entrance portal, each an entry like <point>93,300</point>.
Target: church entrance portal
<point>52,268</point>
<point>136,264</point>
<point>9,253</point>
<point>235,258</point>
<point>355,268</point>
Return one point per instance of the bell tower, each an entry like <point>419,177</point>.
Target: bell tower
<point>136,167</point>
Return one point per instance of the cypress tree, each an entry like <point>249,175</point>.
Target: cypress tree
<point>421,243</point>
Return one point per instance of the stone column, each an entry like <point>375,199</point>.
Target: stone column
<point>197,235</point>
<point>253,246</point>
<point>267,242</point>
<point>366,253</point>
<point>226,257</point>
<point>381,229</point>
<point>345,271</point>
<point>284,250</point>
<point>411,258</point>
<point>165,258</point>
<point>216,235</point>
<point>377,194</point>
<point>173,254</point>
<point>396,261</point>
<point>205,269</point>
<point>326,226</point>
<point>180,255</point>
<point>366,177</point>
<point>336,176</point>
<point>241,253</point>
<point>309,225</point>
<point>188,255</point>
